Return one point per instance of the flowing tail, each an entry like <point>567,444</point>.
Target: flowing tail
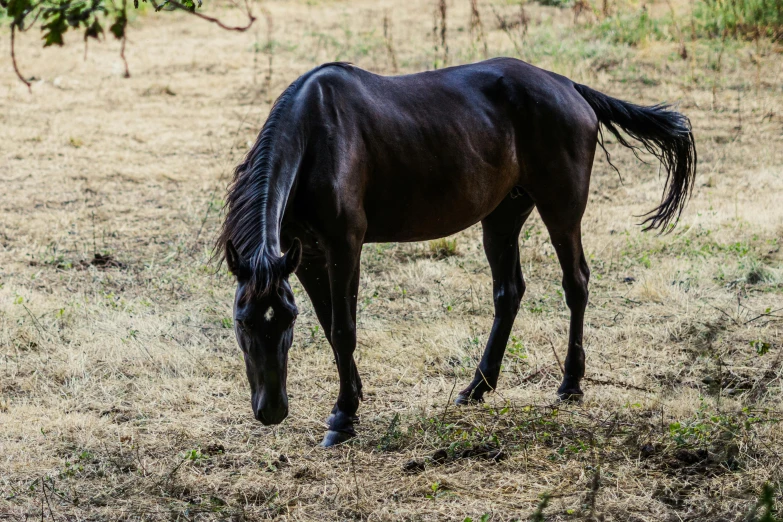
<point>666,134</point>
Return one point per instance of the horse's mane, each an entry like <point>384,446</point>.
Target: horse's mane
<point>248,194</point>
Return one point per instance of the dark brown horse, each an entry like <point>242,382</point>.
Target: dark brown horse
<point>347,157</point>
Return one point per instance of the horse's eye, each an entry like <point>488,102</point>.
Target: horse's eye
<point>284,318</point>
<point>269,314</point>
<point>241,324</point>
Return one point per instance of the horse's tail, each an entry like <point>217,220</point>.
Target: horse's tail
<point>666,134</point>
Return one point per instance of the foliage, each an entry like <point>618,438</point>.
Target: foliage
<point>765,505</point>
<point>632,28</point>
<point>747,19</point>
<point>557,3</point>
<point>538,515</point>
<point>93,19</point>
<point>707,427</point>
<point>741,18</point>
<point>443,248</point>
<point>58,17</point>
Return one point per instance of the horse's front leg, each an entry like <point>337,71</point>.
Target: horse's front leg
<point>314,276</point>
<point>343,266</point>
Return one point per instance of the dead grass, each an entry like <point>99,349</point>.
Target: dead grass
<point>122,391</point>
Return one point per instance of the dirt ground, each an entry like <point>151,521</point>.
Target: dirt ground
<point>122,389</point>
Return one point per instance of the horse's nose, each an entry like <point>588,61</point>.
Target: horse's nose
<point>269,416</point>
<point>269,412</point>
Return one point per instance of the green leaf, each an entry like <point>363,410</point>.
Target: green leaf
<point>94,30</point>
<point>54,30</point>
<point>761,347</point>
<point>118,27</point>
<point>17,8</point>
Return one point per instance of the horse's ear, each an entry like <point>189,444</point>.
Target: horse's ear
<point>293,257</point>
<point>233,258</point>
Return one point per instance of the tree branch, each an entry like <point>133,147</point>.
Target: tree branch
<point>22,17</point>
<point>13,59</point>
<point>61,16</point>
<point>124,37</point>
<point>238,28</point>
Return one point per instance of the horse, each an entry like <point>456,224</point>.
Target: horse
<point>348,157</point>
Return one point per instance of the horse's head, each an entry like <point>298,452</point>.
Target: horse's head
<point>264,316</point>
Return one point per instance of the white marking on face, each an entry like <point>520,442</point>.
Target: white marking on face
<point>269,314</point>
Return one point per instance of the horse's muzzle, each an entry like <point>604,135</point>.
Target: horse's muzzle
<point>270,412</point>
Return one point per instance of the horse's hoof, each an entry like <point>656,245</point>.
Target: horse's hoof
<point>333,438</point>
<point>466,400</point>
<point>572,398</point>
<point>569,390</point>
<point>570,395</point>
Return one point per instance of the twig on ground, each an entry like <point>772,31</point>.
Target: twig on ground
<point>43,490</point>
<point>765,314</point>
<point>557,357</point>
<point>531,375</point>
<point>448,402</point>
<point>617,383</point>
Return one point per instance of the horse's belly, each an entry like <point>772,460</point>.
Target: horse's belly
<point>419,210</point>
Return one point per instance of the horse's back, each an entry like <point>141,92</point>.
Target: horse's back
<point>499,91</point>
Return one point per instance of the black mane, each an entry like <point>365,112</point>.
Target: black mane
<point>247,197</point>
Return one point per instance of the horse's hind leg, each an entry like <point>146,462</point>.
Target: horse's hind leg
<point>561,201</point>
<point>501,233</point>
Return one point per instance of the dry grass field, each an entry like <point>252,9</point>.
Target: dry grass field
<point>122,389</point>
